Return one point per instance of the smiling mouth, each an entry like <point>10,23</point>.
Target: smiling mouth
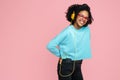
<point>82,22</point>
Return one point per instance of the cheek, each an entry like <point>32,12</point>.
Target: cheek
<point>85,21</point>
<point>78,19</point>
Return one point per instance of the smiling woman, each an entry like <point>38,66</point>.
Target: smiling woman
<point>81,19</point>
<point>73,43</point>
<point>82,11</point>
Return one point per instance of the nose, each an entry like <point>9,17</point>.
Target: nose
<point>83,19</point>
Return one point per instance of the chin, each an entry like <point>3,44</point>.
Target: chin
<point>80,25</point>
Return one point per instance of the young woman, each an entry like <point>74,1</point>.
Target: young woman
<point>72,45</point>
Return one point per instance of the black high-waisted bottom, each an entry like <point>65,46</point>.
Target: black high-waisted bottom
<point>69,70</point>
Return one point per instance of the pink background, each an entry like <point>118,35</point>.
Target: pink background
<point>26,26</point>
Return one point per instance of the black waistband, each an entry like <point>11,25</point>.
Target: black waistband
<point>67,60</point>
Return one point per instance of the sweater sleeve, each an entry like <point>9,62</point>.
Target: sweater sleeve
<point>52,45</point>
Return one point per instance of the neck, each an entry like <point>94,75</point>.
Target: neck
<point>77,26</point>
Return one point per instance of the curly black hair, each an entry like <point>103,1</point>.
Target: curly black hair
<point>77,8</point>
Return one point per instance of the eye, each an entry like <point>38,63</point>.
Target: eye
<point>80,15</point>
<point>86,18</point>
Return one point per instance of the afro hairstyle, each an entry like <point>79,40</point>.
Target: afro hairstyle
<point>77,8</point>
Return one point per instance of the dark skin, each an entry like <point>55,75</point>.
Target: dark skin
<point>81,19</point>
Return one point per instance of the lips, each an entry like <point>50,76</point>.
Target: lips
<point>82,22</point>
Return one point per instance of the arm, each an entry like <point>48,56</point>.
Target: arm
<point>53,45</point>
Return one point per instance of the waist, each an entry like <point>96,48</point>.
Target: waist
<point>68,60</point>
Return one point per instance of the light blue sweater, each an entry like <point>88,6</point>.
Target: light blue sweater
<point>72,43</point>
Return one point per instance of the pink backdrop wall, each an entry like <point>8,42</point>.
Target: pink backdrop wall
<point>26,26</point>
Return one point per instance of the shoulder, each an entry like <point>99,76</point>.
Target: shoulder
<point>87,28</point>
<point>66,29</point>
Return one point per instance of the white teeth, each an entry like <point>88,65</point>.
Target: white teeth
<point>82,22</point>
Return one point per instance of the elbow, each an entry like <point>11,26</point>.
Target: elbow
<point>49,46</point>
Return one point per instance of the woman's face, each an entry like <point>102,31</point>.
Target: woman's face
<point>82,18</point>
